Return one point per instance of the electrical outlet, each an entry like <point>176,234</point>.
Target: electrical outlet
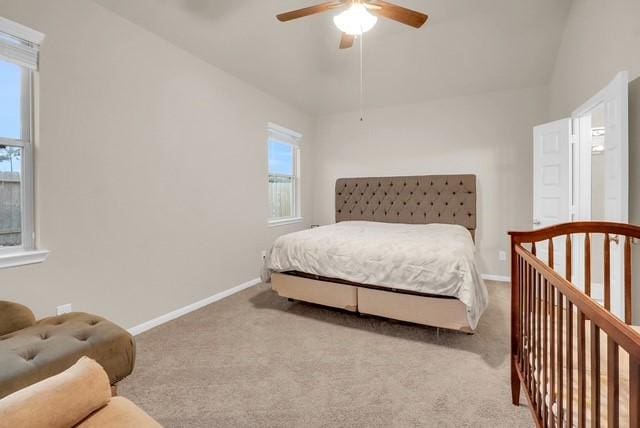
<point>63,309</point>
<point>502,256</point>
<point>263,255</point>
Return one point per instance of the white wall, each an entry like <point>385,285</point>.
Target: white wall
<point>152,190</point>
<point>488,135</point>
<point>601,38</point>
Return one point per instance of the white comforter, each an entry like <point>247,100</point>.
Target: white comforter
<point>433,258</point>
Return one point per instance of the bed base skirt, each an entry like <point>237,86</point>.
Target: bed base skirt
<point>432,311</point>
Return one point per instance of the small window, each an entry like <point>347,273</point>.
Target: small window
<point>19,50</point>
<point>284,175</point>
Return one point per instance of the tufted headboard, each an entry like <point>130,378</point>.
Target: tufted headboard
<point>414,199</point>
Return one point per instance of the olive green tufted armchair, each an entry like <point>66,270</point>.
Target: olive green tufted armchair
<point>32,350</point>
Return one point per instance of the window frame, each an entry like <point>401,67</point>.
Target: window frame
<point>26,253</point>
<point>282,135</point>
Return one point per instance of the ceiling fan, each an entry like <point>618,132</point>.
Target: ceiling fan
<point>360,16</point>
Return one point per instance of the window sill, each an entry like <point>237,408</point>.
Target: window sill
<point>22,258</point>
<point>285,221</point>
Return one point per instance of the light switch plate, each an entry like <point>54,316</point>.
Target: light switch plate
<point>64,309</point>
<point>502,256</point>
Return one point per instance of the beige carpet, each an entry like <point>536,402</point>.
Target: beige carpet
<point>257,360</point>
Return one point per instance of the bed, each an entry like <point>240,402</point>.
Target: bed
<point>401,248</point>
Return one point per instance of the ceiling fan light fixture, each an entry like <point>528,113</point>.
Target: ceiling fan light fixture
<point>355,20</point>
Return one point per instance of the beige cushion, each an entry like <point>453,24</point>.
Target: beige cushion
<point>59,401</point>
<point>120,413</point>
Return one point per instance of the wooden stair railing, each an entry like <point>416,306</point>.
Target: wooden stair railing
<point>558,332</point>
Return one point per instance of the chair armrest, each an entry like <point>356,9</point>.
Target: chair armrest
<point>62,400</point>
<point>14,317</point>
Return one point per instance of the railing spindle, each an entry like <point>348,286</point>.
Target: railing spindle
<point>528,327</point>
<point>634,392</point>
<point>569,364</point>
<point>538,359</point>
<point>613,386</point>
<point>595,374</point>
<point>628,268</point>
<point>545,350</point>
<point>560,346</point>
<point>587,265</point>
<point>531,365</point>
<point>582,362</point>
<point>552,353</point>
<point>551,255</point>
<point>521,314</point>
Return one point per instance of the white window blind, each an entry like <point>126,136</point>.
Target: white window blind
<point>19,44</point>
<point>279,133</point>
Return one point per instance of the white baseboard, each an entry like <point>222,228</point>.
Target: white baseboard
<point>499,278</point>
<point>140,328</point>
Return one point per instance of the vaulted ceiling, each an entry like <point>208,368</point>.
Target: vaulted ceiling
<point>467,47</point>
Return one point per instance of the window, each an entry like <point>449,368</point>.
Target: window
<point>284,175</point>
<point>19,49</point>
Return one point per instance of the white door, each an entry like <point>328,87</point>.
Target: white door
<point>614,98</point>
<point>552,183</point>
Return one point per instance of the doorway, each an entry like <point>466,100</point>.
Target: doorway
<point>581,173</point>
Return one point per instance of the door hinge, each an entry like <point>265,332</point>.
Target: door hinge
<point>574,139</point>
<point>573,209</point>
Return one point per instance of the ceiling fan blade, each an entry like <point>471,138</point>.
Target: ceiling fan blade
<point>311,10</point>
<point>398,13</point>
<point>346,41</point>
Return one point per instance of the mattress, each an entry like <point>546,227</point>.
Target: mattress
<point>623,379</point>
<point>434,259</point>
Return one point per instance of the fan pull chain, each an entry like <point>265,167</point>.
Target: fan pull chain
<point>362,77</point>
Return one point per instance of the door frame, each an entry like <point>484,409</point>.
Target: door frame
<point>581,122</point>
